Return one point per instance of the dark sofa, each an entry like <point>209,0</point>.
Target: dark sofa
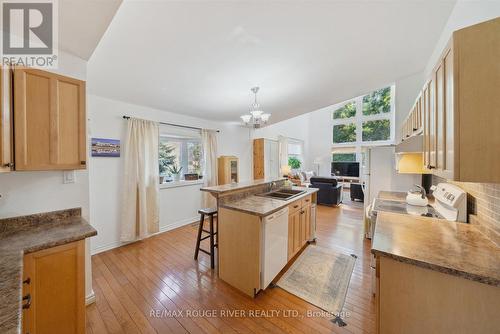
<point>330,192</point>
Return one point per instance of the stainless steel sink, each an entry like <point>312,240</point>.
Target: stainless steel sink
<point>283,194</point>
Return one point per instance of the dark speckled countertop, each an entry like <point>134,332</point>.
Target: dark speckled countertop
<point>27,234</point>
<point>449,247</point>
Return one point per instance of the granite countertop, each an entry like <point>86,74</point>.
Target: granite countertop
<point>27,234</point>
<point>263,206</point>
<point>232,187</point>
<point>449,247</point>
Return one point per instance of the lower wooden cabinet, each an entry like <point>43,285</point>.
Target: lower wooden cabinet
<point>412,299</point>
<point>54,290</point>
<point>299,226</point>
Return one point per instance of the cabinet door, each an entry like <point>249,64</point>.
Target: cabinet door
<point>290,236</point>
<point>233,166</point>
<point>57,288</point>
<point>6,147</point>
<point>449,119</point>
<point>302,227</point>
<point>432,122</point>
<point>296,232</point>
<point>49,121</point>
<point>307,218</point>
<point>440,118</point>
<point>425,114</point>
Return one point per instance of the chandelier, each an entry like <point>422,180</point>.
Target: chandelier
<point>257,117</point>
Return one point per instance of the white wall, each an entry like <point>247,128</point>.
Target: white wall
<point>297,127</point>
<point>178,206</point>
<point>25,193</point>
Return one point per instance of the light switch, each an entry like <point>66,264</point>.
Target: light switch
<point>68,176</point>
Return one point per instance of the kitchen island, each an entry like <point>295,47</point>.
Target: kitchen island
<point>258,234</point>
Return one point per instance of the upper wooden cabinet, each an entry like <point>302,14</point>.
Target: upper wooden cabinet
<point>6,141</point>
<point>265,159</point>
<point>49,121</point>
<point>461,115</point>
<point>228,169</point>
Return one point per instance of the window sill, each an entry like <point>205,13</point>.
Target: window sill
<point>176,184</point>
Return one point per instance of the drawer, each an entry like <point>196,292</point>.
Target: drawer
<point>306,201</point>
<point>295,206</point>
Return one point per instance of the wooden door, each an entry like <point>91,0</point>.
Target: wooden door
<point>425,114</point>
<point>302,228</point>
<point>57,288</point>
<point>307,218</point>
<point>440,118</point>
<point>449,118</point>
<point>432,123</point>
<point>290,236</point>
<point>49,121</point>
<point>6,147</point>
<point>296,231</point>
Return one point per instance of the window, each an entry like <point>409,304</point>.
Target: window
<point>180,153</point>
<point>343,157</point>
<point>295,153</point>
<point>366,120</point>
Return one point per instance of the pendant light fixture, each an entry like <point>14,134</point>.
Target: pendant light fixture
<point>257,117</point>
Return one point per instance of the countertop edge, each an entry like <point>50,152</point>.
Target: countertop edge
<point>285,203</point>
<point>439,268</point>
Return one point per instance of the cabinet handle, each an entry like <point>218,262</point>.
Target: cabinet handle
<point>10,165</point>
<point>430,167</point>
<point>28,301</point>
<point>295,206</point>
<point>83,163</point>
<point>27,281</point>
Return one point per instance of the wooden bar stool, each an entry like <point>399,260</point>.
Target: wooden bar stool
<point>211,212</point>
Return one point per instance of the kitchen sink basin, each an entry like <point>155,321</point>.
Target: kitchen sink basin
<point>283,194</point>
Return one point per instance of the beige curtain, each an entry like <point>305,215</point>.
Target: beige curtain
<point>209,140</point>
<point>140,213</point>
<point>283,152</point>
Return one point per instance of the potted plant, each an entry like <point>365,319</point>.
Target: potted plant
<point>175,171</point>
<point>166,158</point>
<point>294,163</point>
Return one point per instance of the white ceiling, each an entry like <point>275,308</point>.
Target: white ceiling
<point>202,58</point>
<point>82,23</point>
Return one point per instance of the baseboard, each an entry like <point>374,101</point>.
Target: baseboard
<point>90,299</point>
<point>178,224</point>
<point>118,243</point>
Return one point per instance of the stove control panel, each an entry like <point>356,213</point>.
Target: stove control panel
<point>449,194</point>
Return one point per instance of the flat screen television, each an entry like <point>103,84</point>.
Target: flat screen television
<point>350,169</point>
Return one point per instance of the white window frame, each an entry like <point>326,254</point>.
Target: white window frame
<point>358,119</point>
<point>195,136</point>
<point>299,142</point>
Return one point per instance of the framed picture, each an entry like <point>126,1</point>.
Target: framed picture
<point>105,147</point>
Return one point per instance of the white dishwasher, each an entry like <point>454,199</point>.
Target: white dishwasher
<point>274,245</point>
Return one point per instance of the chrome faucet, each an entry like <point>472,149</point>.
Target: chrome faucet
<point>272,185</point>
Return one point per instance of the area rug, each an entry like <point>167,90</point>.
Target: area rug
<point>321,277</point>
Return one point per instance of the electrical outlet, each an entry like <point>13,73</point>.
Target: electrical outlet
<point>68,176</point>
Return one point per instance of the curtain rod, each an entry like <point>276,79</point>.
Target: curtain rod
<point>178,125</point>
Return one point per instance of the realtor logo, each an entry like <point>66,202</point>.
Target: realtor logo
<point>29,33</point>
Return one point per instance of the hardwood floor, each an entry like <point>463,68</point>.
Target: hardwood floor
<point>155,286</point>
